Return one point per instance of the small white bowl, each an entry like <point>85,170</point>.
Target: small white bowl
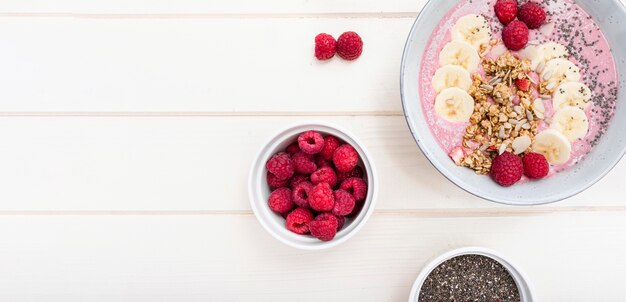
<point>523,286</point>
<point>259,191</point>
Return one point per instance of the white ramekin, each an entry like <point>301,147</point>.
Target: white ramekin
<point>521,281</point>
<point>259,192</point>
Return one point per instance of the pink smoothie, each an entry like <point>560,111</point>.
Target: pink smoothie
<point>568,24</point>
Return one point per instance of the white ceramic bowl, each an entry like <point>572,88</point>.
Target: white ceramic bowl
<point>259,191</point>
<point>525,290</point>
<point>610,16</point>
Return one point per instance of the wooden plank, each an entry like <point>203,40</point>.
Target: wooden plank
<point>577,257</point>
<point>211,7</point>
<point>194,65</point>
<point>202,163</point>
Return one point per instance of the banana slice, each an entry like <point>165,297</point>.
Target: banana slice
<point>571,94</point>
<point>553,50</point>
<point>540,55</point>
<point>452,76</point>
<point>454,105</point>
<point>559,71</point>
<point>572,122</point>
<point>533,54</point>
<point>553,145</point>
<point>473,29</point>
<point>459,53</point>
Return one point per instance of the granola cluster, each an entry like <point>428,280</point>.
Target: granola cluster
<point>504,117</point>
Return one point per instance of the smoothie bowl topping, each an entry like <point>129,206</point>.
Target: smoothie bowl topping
<point>503,89</point>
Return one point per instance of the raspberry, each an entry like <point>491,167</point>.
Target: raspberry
<point>355,186</point>
<point>321,162</point>
<point>507,169</point>
<point>298,178</point>
<point>522,84</point>
<point>321,198</point>
<point>304,163</point>
<point>292,149</point>
<point>344,203</point>
<point>356,172</point>
<point>532,14</point>
<point>357,210</point>
<point>515,35</point>
<point>324,226</point>
<point>331,143</point>
<point>349,46</point>
<point>325,174</point>
<point>280,165</point>
<point>506,10</point>
<point>311,142</point>
<point>275,183</point>
<point>281,200</point>
<point>340,222</point>
<point>325,46</point>
<point>535,166</point>
<point>345,158</point>
<point>298,220</point>
<point>301,193</point>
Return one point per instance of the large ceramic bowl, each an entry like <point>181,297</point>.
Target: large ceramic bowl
<point>611,17</point>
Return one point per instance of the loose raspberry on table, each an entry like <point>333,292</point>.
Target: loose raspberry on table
<point>506,10</point>
<point>344,203</point>
<point>345,158</point>
<point>325,46</point>
<point>349,45</point>
<point>281,200</point>
<point>280,165</point>
<point>515,35</point>
<point>355,186</point>
<point>536,165</point>
<point>298,178</point>
<point>331,143</point>
<point>356,172</point>
<point>301,194</point>
<point>304,163</point>
<point>324,226</point>
<point>532,14</point>
<point>274,183</point>
<point>522,84</point>
<point>321,198</point>
<point>507,169</point>
<point>292,148</point>
<point>324,174</point>
<point>298,220</point>
<point>340,222</point>
<point>311,142</point>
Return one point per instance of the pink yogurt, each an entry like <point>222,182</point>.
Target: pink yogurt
<point>572,27</point>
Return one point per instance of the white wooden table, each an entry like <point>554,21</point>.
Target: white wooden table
<point>127,129</point>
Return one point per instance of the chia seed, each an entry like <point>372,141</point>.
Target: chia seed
<point>469,278</point>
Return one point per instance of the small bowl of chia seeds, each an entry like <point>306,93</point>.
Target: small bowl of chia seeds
<point>471,274</point>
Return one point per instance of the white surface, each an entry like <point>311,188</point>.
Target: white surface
<point>126,145</point>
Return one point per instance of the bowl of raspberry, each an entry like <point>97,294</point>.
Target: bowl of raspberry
<point>313,185</point>
<point>518,102</point>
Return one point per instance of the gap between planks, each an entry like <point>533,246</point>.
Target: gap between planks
<point>197,114</point>
<point>424,213</point>
<point>364,15</point>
